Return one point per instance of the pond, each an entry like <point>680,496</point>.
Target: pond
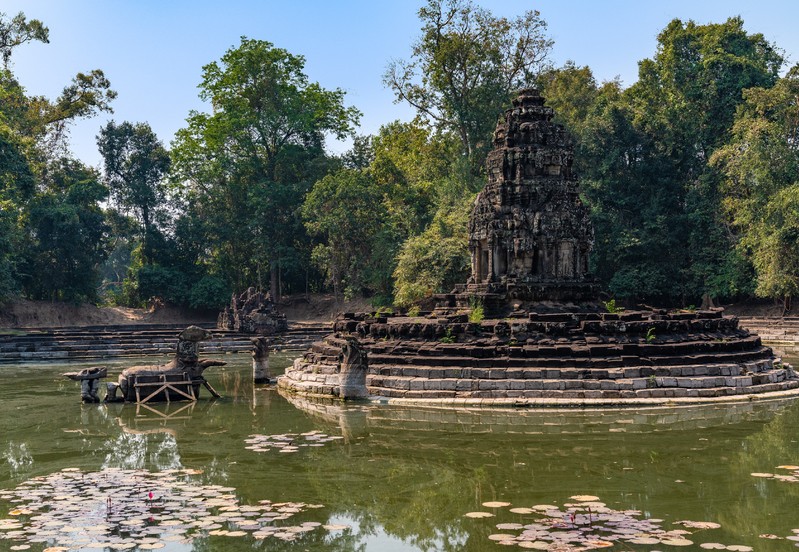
<point>257,471</point>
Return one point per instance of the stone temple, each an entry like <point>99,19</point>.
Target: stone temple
<point>529,233</point>
<point>545,339</point>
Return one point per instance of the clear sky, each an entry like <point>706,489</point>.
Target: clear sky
<point>153,51</point>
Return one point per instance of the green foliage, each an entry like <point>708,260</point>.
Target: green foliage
<point>464,66</point>
<point>19,30</point>
<point>612,307</point>
<point>760,168</point>
<point>210,293</point>
<point>654,199</point>
<point>345,208</point>
<point>650,335</point>
<point>68,235</point>
<point>135,163</point>
<point>243,170</point>
<point>448,337</point>
<point>414,311</point>
<point>476,312</point>
<point>437,259</point>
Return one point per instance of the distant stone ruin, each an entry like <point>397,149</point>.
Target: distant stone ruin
<point>252,312</point>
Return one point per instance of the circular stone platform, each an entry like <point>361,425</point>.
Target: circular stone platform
<point>543,359</point>
<point>545,340</point>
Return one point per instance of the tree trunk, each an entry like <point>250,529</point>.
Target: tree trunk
<point>274,286</point>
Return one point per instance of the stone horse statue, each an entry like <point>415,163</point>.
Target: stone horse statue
<point>186,363</point>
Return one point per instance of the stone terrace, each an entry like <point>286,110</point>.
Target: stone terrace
<point>98,342</point>
<point>575,358</point>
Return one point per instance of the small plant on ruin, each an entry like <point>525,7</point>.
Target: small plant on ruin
<point>383,311</point>
<point>477,313</point>
<point>612,307</point>
<point>650,335</point>
<point>414,310</point>
<point>448,337</point>
<point>651,382</point>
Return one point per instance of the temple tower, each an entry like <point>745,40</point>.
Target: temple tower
<point>529,233</point>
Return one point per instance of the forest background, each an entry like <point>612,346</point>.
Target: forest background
<point>691,173</point>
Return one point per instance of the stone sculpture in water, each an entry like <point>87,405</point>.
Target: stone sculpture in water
<point>186,365</point>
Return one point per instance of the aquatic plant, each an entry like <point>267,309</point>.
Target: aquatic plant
<point>588,524</point>
<point>126,509</point>
<point>288,442</point>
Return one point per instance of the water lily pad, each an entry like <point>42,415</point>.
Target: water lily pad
<point>496,504</point>
<point>478,515</point>
<point>502,537</point>
<point>740,548</point>
<point>698,524</point>
<point>534,545</point>
<point>506,526</point>
<point>677,542</point>
<point>758,474</point>
<point>584,498</point>
<point>522,510</point>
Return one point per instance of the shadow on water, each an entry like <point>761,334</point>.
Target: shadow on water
<point>404,477</point>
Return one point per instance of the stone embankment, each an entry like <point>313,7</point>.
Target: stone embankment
<point>781,334</point>
<point>113,341</point>
<point>550,358</point>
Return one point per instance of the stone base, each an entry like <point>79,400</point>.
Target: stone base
<point>549,358</point>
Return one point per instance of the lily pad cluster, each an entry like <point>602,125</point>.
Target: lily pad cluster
<point>288,442</point>
<point>588,524</point>
<point>125,509</point>
<point>791,477</point>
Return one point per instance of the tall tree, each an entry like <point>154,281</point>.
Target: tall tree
<point>654,197</point>
<point>760,168</point>
<point>67,233</point>
<point>464,67</point>
<point>267,116</point>
<point>19,30</point>
<point>136,164</point>
<point>39,219</point>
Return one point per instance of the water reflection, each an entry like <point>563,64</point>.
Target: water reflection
<point>403,477</point>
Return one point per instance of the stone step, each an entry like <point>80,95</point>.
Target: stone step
<point>129,340</point>
<point>673,392</point>
<point>624,384</point>
<point>571,373</point>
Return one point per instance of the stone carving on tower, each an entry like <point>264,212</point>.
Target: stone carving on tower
<point>529,233</point>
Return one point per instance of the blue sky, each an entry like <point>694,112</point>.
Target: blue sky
<point>153,51</point>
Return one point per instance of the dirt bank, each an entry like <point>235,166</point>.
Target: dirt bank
<point>32,314</point>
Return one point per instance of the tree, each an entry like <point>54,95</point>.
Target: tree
<point>437,259</point>
<point>464,68</point>
<point>244,157</point>
<point>19,30</point>
<point>346,209</point>
<point>136,164</point>
<point>67,233</point>
<point>760,168</point>
<point>654,198</point>
<point>50,234</point>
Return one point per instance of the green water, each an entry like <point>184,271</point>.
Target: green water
<point>403,478</point>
